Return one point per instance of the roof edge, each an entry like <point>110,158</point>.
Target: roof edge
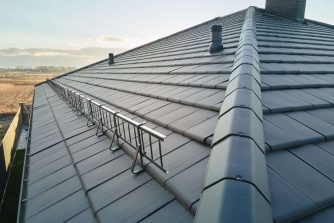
<point>319,23</point>
<point>21,208</point>
<point>73,71</point>
<point>305,19</point>
<point>236,171</point>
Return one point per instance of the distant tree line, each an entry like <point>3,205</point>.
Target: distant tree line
<point>39,69</point>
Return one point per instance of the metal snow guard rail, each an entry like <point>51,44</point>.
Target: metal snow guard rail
<point>144,140</point>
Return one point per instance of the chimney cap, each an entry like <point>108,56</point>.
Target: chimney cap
<point>216,28</point>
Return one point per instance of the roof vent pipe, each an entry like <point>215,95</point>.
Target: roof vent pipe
<point>111,58</point>
<point>216,44</point>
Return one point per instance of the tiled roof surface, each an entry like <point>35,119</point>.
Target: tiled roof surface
<point>281,110</point>
<point>297,73</point>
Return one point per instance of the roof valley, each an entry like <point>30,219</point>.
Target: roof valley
<point>234,141</point>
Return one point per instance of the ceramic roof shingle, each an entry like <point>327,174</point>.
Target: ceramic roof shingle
<point>264,104</point>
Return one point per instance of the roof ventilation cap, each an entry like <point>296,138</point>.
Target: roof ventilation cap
<point>216,44</point>
<point>111,58</point>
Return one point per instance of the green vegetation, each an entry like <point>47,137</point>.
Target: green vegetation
<point>9,208</point>
<point>2,133</point>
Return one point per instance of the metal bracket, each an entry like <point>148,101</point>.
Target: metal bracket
<point>100,125</point>
<point>136,169</point>
<point>130,131</point>
<point>117,146</point>
<point>90,121</point>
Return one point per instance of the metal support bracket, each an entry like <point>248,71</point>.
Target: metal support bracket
<point>116,146</point>
<point>90,121</point>
<point>136,168</point>
<point>99,130</point>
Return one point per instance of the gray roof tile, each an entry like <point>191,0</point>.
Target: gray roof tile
<point>85,216</point>
<point>325,216</point>
<point>49,169</point>
<point>316,157</point>
<point>202,131</point>
<point>288,132</point>
<point>327,146</point>
<point>50,181</point>
<point>314,123</point>
<point>150,196</point>
<point>91,150</point>
<point>189,183</point>
<point>288,201</point>
<point>170,211</point>
<point>278,101</point>
<point>178,88</point>
<point>175,161</point>
<point>174,115</point>
<point>116,188</point>
<point>106,172</point>
<point>191,120</point>
<point>315,101</point>
<point>52,196</point>
<point>293,170</point>
<point>69,207</point>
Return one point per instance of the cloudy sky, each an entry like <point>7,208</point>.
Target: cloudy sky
<point>78,32</point>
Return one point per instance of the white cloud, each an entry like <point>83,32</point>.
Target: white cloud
<point>12,57</point>
<point>32,52</point>
<point>110,39</point>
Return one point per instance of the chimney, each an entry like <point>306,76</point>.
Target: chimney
<point>111,58</point>
<point>216,44</point>
<point>293,9</point>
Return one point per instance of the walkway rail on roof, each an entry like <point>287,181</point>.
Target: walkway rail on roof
<point>144,140</point>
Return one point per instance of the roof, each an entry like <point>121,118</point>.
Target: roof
<point>264,104</point>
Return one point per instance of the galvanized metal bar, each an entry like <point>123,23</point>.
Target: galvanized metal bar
<point>117,123</point>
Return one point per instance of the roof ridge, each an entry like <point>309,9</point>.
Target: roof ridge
<point>306,21</point>
<point>238,144</point>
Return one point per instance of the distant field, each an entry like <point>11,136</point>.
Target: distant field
<point>15,88</point>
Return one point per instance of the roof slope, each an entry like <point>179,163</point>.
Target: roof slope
<point>174,85</point>
<point>297,73</point>
<point>296,62</point>
<point>283,117</point>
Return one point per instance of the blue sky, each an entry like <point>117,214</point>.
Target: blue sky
<point>58,27</point>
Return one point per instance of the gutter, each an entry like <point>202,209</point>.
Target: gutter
<point>21,207</point>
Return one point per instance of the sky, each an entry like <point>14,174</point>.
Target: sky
<point>79,32</point>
